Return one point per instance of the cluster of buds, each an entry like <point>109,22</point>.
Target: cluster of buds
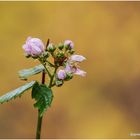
<point>65,62</point>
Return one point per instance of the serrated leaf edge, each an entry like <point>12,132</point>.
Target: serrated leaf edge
<point>17,92</point>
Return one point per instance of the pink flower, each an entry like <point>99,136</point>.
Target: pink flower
<point>74,70</point>
<point>61,74</point>
<point>33,46</point>
<point>68,68</point>
<point>80,72</point>
<point>69,43</point>
<point>77,58</point>
<point>72,67</point>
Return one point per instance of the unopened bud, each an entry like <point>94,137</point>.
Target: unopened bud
<point>69,76</point>
<point>60,46</point>
<point>60,55</point>
<point>59,83</point>
<point>46,54</point>
<point>51,47</point>
<point>71,51</point>
<point>68,44</point>
<point>61,74</point>
<point>33,47</point>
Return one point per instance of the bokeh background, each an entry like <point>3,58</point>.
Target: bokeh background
<point>104,104</point>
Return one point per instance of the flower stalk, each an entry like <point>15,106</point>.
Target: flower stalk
<point>39,125</point>
<point>39,121</point>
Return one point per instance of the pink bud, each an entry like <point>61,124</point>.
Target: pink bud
<point>77,58</point>
<point>33,46</point>
<point>68,68</point>
<point>61,74</point>
<point>69,43</point>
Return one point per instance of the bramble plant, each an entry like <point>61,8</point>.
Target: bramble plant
<point>58,62</point>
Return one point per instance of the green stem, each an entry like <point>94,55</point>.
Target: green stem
<point>47,71</point>
<point>39,124</point>
<point>51,80</point>
<point>50,63</point>
<point>45,68</point>
<point>39,121</point>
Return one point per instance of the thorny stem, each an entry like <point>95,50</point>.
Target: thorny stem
<point>39,122</point>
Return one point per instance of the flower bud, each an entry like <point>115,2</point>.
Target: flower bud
<point>59,59</point>
<point>59,83</point>
<point>46,54</point>
<point>71,51</point>
<point>60,46</point>
<point>51,47</point>
<point>33,47</point>
<point>68,44</point>
<point>60,55</point>
<point>61,74</point>
<point>69,76</point>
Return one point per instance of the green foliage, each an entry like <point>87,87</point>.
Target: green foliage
<point>43,96</point>
<point>15,93</point>
<point>25,73</point>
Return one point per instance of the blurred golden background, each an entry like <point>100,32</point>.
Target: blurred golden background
<point>105,103</point>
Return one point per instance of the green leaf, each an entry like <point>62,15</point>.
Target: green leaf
<point>25,73</point>
<point>43,96</point>
<point>15,93</point>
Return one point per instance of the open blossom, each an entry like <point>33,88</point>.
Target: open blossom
<point>77,58</point>
<point>33,46</point>
<point>72,67</point>
<point>74,70</point>
<point>61,74</point>
<point>69,43</point>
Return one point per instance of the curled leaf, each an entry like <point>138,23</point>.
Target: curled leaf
<point>25,73</point>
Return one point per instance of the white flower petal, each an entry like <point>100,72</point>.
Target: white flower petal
<point>80,72</point>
